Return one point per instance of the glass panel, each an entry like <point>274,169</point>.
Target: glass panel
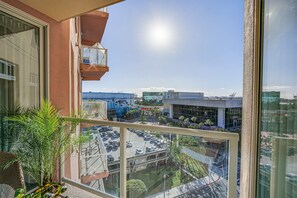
<point>100,159</point>
<point>19,77</point>
<point>277,173</point>
<point>19,62</point>
<point>169,165</point>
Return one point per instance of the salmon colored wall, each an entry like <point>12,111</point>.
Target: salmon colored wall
<point>64,72</point>
<point>59,57</point>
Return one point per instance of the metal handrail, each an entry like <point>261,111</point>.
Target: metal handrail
<point>233,139</point>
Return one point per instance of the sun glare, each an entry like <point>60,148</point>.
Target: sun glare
<point>160,36</point>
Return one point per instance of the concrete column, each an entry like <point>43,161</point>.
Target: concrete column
<point>221,117</point>
<point>171,111</point>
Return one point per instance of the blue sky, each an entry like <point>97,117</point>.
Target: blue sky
<point>201,48</point>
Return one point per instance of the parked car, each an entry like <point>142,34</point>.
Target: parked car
<point>148,149</point>
<point>147,137</point>
<point>110,158</point>
<point>128,144</point>
<point>103,134</point>
<point>138,151</point>
<point>153,148</point>
<point>103,129</point>
<point>114,136</point>
<point>109,147</point>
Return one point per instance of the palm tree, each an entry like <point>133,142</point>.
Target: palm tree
<point>43,140</point>
<point>142,117</point>
<point>181,118</point>
<point>9,132</point>
<point>208,122</point>
<point>194,119</point>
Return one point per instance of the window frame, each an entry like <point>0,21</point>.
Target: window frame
<point>251,98</point>
<point>44,70</point>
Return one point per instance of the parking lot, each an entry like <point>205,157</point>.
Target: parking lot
<point>138,142</point>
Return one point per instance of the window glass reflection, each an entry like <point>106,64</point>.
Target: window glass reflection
<point>19,62</point>
<point>278,137</point>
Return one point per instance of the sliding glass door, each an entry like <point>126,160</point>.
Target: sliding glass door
<point>21,70</point>
<point>19,62</point>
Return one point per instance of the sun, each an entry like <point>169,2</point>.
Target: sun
<point>160,35</point>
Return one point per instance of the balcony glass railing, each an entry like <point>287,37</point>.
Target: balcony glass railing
<point>138,160</point>
<point>95,55</point>
<point>105,9</point>
<point>94,109</point>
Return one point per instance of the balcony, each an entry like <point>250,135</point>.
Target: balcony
<point>93,26</point>
<point>62,10</point>
<point>111,167</point>
<point>93,62</point>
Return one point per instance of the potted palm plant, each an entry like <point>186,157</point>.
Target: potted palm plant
<point>44,137</point>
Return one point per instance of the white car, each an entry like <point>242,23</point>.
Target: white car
<point>139,152</point>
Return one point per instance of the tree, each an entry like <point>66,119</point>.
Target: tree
<point>208,122</point>
<point>9,131</point>
<point>44,137</point>
<point>132,114</point>
<point>194,119</point>
<point>181,118</point>
<point>200,125</point>
<point>162,120</point>
<point>142,117</point>
<point>136,187</point>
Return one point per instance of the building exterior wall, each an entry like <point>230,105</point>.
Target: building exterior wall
<point>224,113</point>
<point>183,95</point>
<point>218,103</point>
<point>201,113</point>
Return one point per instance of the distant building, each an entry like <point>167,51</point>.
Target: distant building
<point>152,96</point>
<point>118,104</point>
<point>270,96</point>
<point>183,95</point>
<point>224,112</point>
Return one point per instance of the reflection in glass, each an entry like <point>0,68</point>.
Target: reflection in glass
<point>19,62</point>
<point>277,171</point>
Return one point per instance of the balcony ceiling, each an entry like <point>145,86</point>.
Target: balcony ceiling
<point>64,9</point>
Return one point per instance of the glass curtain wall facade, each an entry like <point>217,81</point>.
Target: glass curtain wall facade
<point>201,113</point>
<point>277,156</point>
<point>233,117</point>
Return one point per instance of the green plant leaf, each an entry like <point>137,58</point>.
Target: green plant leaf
<point>19,193</point>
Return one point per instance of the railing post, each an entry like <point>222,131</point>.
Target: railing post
<point>232,168</point>
<point>123,162</point>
